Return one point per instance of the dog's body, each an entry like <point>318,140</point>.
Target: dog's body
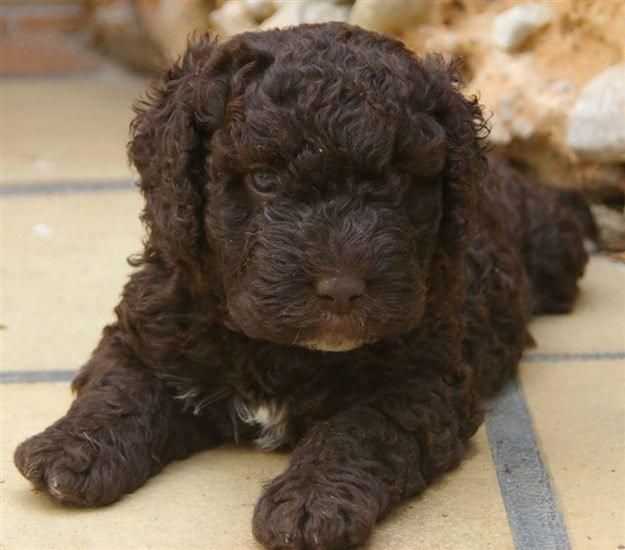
<point>352,302</point>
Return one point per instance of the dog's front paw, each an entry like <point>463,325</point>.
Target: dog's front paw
<point>305,510</point>
<point>71,466</point>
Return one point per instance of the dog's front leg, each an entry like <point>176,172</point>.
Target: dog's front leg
<point>348,471</point>
<point>123,427</point>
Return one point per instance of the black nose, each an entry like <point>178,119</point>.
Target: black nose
<point>338,293</point>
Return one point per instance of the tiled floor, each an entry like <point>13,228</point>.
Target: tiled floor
<point>580,429</point>
<point>66,128</point>
<point>62,270</point>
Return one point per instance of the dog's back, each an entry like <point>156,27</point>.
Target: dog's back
<point>548,226</point>
<point>526,258</point>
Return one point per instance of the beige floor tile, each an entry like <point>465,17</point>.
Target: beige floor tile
<point>63,268</point>
<point>597,324</point>
<point>66,128</point>
<point>207,501</point>
<point>579,415</point>
<point>463,510</point>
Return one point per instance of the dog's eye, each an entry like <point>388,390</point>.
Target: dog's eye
<point>264,181</point>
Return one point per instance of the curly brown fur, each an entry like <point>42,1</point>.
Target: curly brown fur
<point>380,183</point>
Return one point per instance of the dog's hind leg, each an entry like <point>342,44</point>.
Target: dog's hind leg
<point>553,248</point>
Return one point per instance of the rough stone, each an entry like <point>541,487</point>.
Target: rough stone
<point>529,94</point>
<point>260,9</point>
<point>231,18</point>
<point>611,225</point>
<point>114,32</point>
<point>596,125</point>
<point>176,21</point>
<point>388,16</point>
<point>514,26</point>
<point>308,11</point>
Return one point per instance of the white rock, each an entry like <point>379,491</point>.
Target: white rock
<point>596,124</point>
<point>387,16</point>
<point>523,128</point>
<point>322,11</point>
<point>515,25</point>
<point>260,9</point>
<point>500,133</point>
<point>505,113</point>
<point>295,12</point>
<point>231,18</point>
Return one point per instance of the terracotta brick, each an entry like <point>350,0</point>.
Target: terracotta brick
<point>49,23</point>
<point>42,56</point>
<point>41,4</point>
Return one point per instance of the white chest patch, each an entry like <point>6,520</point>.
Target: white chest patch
<point>273,419</point>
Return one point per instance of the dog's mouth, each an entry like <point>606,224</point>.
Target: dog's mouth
<point>337,333</point>
<point>302,323</point>
<point>332,344</point>
<point>326,332</point>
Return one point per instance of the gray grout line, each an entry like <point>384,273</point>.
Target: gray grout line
<point>27,377</point>
<point>19,190</point>
<point>558,357</point>
<point>533,513</point>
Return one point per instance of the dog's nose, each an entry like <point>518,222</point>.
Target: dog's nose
<point>338,293</point>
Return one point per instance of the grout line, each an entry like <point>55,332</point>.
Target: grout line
<point>18,190</point>
<point>558,357</point>
<point>27,377</point>
<point>533,513</point>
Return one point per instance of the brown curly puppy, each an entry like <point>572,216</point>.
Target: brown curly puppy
<point>308,191</point>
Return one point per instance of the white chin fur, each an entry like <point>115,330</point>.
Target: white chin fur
<point>344,345</point>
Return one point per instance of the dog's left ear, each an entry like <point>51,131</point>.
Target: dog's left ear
<point>465,161</point>
<point>170,136</point>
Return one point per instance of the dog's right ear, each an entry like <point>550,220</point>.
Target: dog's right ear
<point>465,160</point>
<point>169,141</point>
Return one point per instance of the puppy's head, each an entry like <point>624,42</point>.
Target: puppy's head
<point>312,173</point>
